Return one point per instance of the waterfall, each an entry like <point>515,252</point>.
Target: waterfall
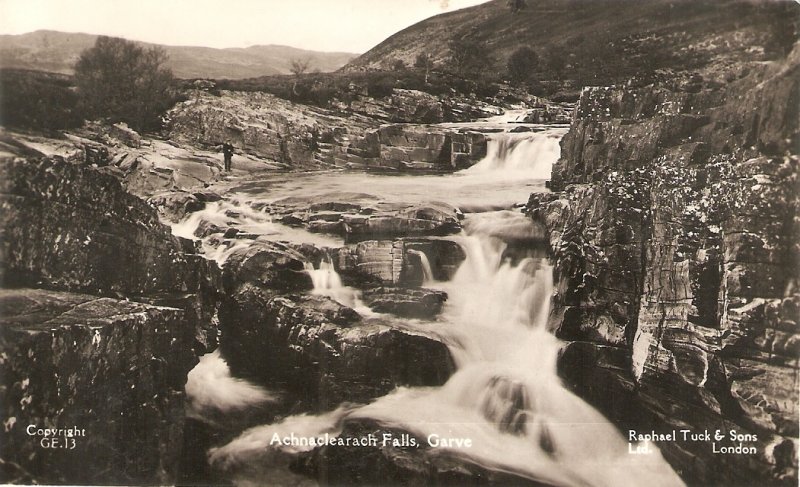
<point>328,282</point>
<point>531,153</point>
<point>427,271</point>
<point>325,279</point>
<point>506,395</point>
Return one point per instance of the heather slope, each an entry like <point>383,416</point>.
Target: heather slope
<point>601,41</point>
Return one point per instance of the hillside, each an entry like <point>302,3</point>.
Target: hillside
<point>58,51</point>
<point>600,41</point>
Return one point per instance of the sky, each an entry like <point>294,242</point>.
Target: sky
<point>322,25</point>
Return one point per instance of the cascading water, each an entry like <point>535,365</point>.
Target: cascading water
<point>211,388</point>
<point>427,270</point>
<point>325,279</point>
<point>530,153</point>
<point>505,396</point>
<point>327,282</point>
<point>233,213</point>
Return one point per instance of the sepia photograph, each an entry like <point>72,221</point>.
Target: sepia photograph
<point>308,243</point>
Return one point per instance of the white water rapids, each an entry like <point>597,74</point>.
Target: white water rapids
<point>505,396</point>
<point>510,153</point>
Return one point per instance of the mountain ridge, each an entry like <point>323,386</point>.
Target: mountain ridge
<point>56,51</point>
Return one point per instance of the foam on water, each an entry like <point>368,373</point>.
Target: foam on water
<point>210,386</point>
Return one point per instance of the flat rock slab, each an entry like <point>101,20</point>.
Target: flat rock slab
<point>359,217</point>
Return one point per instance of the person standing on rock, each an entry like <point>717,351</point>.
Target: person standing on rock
<point>227,151</point>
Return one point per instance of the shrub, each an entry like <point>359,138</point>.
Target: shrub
<point>381,86</point>
<point>36,100</point>
<point>522,64</point>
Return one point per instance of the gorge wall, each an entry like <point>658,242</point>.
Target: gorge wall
<point>674,232</point>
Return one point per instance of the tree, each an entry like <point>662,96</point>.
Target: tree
<point>124,82</point>
<point>556,59</point>
<point>399,65</point>
<point>522,64</point>
<point>424,61</point>
<point>468,56</point>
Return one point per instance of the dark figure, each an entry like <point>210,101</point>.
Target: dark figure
<point>227,151</point>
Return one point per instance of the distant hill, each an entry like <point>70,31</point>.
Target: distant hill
<point>600,40</point>
<point>58,51</point>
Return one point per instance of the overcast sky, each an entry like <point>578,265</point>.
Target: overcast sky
<point>324,25</point>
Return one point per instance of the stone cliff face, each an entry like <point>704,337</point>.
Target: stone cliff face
<point>674,231</point>
<point>74,353</point>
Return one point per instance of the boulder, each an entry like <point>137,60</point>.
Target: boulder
<point>174,206</point>
<point>323,351</point>
<point>206,228</point>
<point>125,134</point>
<point>268,265</point>
<point>406,302</point>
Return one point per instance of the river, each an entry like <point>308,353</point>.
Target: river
<point>505,396</point>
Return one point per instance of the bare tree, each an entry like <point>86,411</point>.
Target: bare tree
<point>298,67</point>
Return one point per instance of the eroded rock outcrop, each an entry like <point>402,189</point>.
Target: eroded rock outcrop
<point>112,369</point>
<point>395,261</point>
<point>358,217</point>
<point>674,235</point>
<point>266,126</point>
<point>74,354</point>
<point>314,347</point>
<point>70,227</point>
<point>409,147</point>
